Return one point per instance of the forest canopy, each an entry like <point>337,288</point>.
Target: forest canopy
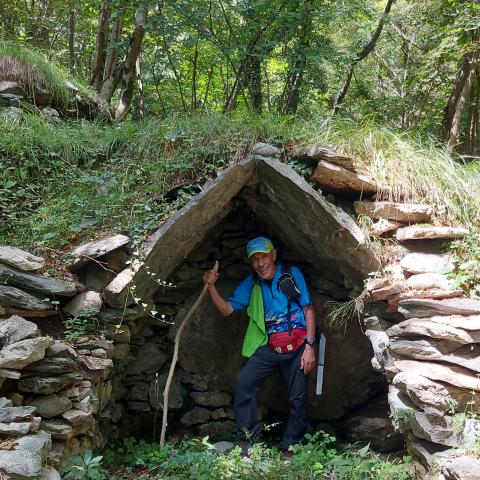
<point>411,64</point>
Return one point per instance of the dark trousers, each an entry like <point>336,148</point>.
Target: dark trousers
<point>260,366</point>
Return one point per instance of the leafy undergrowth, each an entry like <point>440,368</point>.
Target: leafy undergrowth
<point>62,183</point>
<point>197,458</point>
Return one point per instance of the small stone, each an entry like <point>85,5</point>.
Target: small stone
<point>212,399</point>
<point>86,300</point>
<point>214,429</point>
<point>57,429</point>
<point>121,332</point>
<point>15,328</point>
<point>29,457</point>
<point>265,150</point>
<point>176,393</point>
<point>60,349</point>
<point>49,473</point>
<point>196,416</point>
<point>48,385</point>
<point>53,365</point>
<point>15,257</point>
<point>323,152</point>
<point>149,359</point>
<point>20,354</point>
<point>382,226</point>
<point>49,406</point>
<point>138,407</point>
<point>99,353</point>
<point>219,413</point>
<point>16,414</point>
<point>94,363</point>
<point>15,428</point>
<point>75,417</point>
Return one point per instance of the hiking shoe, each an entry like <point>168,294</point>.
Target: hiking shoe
<point>245,446</point>
<point>286,456</point>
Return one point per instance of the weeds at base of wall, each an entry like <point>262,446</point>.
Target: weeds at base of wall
<point>197,458</point>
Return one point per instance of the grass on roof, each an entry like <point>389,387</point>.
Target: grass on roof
<point>76,179</point>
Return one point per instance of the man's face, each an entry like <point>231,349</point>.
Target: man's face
<point>264,264</point>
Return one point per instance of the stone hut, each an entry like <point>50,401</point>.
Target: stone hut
<point>407,356</point>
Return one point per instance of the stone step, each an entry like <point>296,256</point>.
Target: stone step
<point>416,232</point>
<point>321,152</point>
<point>398,212</point>
<point>424,307</point>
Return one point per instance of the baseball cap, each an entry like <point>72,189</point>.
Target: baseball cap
<point>259,244</point>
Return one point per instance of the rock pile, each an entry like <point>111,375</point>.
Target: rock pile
<point>23,87</point>
<point>425,337</point>
<point>53,391</point>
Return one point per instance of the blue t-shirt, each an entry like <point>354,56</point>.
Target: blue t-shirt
<point>275,302</point>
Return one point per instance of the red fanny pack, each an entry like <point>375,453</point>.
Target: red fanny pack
<point>285,342</point>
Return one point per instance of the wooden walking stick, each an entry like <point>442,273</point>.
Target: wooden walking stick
<point>166,391</point>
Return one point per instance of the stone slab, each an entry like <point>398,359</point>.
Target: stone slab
<point>430,328</point>
<point>97,248</point>
<point>301,216</point>
<point>467,356</point>
<point>323,152</point>
<point>416,232</point>
<point>423,281</point>
<point>38,283</point>
<point>423,307</point>
<point>398,212</point>
<point>415,263</point>
<point>15,257</point>
<point>14,297</point>
<point>456,376</point>
<point>49,385</point>
<point>336,179</point>
<point>29,457</point>
<point>436,397</point>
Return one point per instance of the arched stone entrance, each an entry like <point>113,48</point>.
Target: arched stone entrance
<point>256,196</point>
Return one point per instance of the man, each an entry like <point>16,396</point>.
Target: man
<point>288,328</point>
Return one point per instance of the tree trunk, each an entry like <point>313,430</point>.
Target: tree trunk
<point>298,64</point>
<point>96,79</point>
<point>458,88</point>
<point>71,38</point>
<point>193,100</point>
<point>454,126</point>
<point>128,66</point>
<point>141,100</point>
<point>255,81</point>
<point>111,60</point>
<point>363,54</point>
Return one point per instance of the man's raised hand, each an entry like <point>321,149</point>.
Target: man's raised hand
<point>210,277</point>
